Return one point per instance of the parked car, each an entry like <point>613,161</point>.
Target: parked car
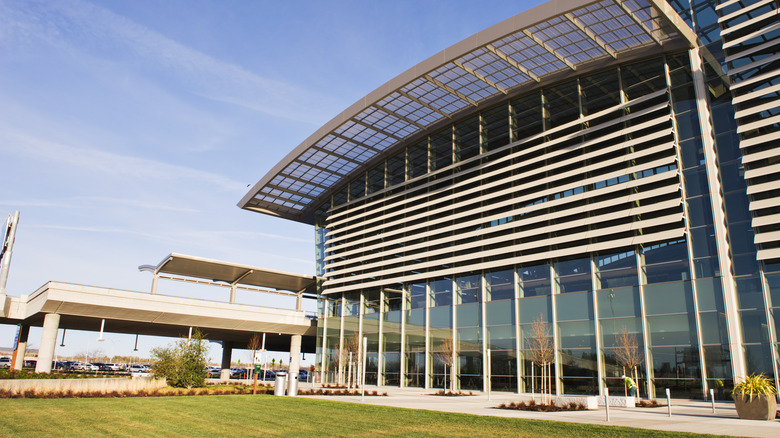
<point>112,367</point>
<point>5,362</point>
<point>30,363</point>
<point>139,370</point>
<point>239,373</point>
<point>82,366</point>
<point>57,365</point>
<point>303,375</point>
<point>269,375</point>
<point>213,372</point>
<point>77,366</point>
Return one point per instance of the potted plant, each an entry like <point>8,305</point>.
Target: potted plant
<point>754,398</point>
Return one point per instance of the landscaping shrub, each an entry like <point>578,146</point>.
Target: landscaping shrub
<point>183,364</point>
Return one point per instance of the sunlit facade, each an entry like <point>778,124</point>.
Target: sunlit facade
<point>610,168</point>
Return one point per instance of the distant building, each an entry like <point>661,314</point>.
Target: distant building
<point>614,165</point>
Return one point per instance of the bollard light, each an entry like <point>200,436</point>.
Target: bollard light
<point>712,399</point>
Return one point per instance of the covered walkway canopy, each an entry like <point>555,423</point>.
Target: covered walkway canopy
<point>186,268</point>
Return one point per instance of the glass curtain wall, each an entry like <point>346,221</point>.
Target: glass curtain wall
<point>666,294</point>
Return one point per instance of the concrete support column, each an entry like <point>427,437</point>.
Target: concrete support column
<point>21,348</point>
<point>51,324</point>
<point>227,355</point>
<point>295,361</point>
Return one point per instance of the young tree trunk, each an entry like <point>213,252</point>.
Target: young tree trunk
<point>349,371</point>
<point>636,380</point>
<point>452,378</point>
<point>625,388</point>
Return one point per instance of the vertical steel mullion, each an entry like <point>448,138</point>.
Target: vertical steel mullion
<point>428,353</point>
<point>380,365</point>
<point>341,336</point>
<point>597,332</point>
<point>719,219</point>
<point>649,370</point>
<point>454,315</point>
<point>518,341</point>
<point>771,327</point>
<point>323,361</point>
<point>554,292</point>
<point>482,301</point>
<point>402,361</point>
<point>361,311</point>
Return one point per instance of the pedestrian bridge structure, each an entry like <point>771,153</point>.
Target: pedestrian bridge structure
<point>70,306</point>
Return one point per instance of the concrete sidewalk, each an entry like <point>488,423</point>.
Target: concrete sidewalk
<point>687,415</point>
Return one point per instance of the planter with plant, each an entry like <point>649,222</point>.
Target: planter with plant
<point>755,399</point>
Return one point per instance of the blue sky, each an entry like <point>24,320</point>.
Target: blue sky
<point>130,129</point>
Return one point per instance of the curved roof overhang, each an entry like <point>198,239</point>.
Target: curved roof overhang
<point>538,47</point>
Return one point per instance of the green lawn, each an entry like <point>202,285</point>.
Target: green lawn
<point>247,415</point>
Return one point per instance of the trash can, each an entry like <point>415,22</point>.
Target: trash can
<point>279,383</point>
<point>292,391</point>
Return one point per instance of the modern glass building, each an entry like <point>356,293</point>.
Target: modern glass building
<point>610,167</point>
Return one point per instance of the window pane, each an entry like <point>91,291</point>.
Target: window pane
<point>615,303</point>
<point>668,298</point>
<point>500,285</point>
<point>534,280</point>
<point>500,313</point>
<point>574,306</point>
<point>672,329</point>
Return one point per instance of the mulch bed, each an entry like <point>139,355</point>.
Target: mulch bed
<point>542,407</point>
<point>328,391</point>
<point>452,393</point>
<point>649,404</point>
<point>161,392</point>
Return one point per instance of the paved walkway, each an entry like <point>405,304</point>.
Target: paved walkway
<point>687,415</point>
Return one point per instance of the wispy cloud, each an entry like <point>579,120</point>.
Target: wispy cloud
<point>60,22</point>
<point>80,201</point>
<point>94,160</point>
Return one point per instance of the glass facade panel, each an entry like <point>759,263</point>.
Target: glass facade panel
<point>535,280</point>
<point>500,285</point>
<point>615,303</point>
<point>574,306</point>
<point>532,308</point>
<point>573,275</point>
<point>668,298</point>
<point>469,288</point>
<point>500,313</point>
<point>672,330</point>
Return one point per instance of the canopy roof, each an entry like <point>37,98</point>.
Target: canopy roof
<point>226,272</point>
<point>537,47</point>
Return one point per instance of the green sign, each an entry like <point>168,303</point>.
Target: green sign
<point>258,369</point>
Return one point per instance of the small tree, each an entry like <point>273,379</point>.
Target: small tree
<point>542,353</point>
<point>446,355</point>
<point>254,344</point>
<point>182,364</point>
<point>352,350</point>
<point>628,355</point>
